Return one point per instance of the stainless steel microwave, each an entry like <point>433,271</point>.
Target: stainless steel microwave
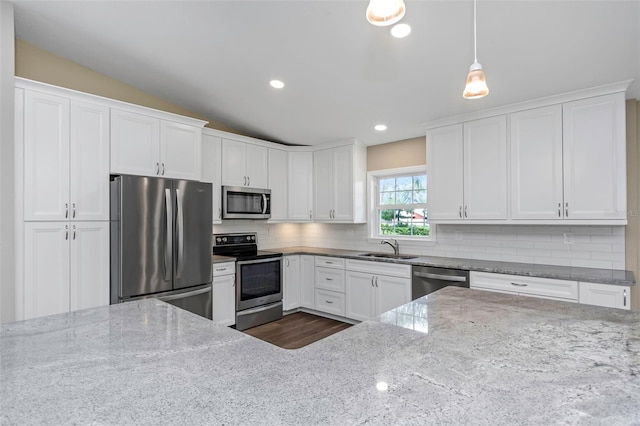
<point>239,202</point>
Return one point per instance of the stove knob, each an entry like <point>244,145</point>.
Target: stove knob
<point>224,239</point>
<point>218,239</point>
<point>248,238</point>
<point>253,237</point>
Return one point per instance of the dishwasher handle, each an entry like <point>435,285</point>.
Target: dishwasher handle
<point>440,277</point>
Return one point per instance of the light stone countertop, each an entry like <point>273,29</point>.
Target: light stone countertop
<point>487,358</point>
<point>571,273</point>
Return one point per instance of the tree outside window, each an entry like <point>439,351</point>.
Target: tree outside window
<point>402,206</point>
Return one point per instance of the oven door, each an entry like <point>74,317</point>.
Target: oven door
<point>258,282</point>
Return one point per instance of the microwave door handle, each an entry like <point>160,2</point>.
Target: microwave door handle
<point>264,203</point>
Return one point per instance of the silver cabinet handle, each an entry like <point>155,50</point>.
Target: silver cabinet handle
<point>376,281</point>
<point>519,284</point>
<point>219,213</point>
<point>329,302</point>
<point>248,180</point>
<point>328,262</point>
<point>157,168</point>
<point>287,262</point>
<point>460,212</point>
<point>220,269</point>
<point>624,300</point>
<point>73,214</point>
<point>328,279</point>
<point>566,210</point>
<point>245,180</point>
<point>465,211</point>
<point>372,281</point>
<point>162,169</point>
<point>74,232</point>
<point>310,216</point>
<point>66,232</point>
<point>559,209</point>
<point>66,210</point>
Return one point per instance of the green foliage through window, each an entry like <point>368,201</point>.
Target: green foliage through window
<point>401,206</point>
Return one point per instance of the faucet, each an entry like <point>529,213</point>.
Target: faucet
<point>393,244</point>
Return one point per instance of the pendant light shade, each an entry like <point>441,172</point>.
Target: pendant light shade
<point>385,12</point>
<point>476,86</point>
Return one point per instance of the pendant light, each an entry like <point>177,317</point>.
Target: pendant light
<point>385,12</point>
<point>476,81</point>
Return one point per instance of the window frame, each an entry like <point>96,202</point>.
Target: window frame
<point>374,194</point>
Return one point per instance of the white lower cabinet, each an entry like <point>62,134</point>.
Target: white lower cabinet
<point>369,294</point>
<point>526,286</point>
<point>66,267</point>
<point>329,285</point>
<point>224,293</point>
<point>307,281</point>
<point>610,296</point>
<point>331,302</point>
<point>291,282</point>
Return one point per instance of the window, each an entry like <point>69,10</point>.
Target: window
<point>400,204</point>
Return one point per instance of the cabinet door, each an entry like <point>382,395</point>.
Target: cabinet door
<point>224,300</point>
<point>135,144</point>
<point>291,296</point>
<point>89,158</point>
<point>323,184</point>
<point>257,166</point>
<point>307,281</point>
<point>300,203</point>
<point>594,158</point>
<point>234,163</point>
<point>46,157</point>
<point>485,168</point>
<point>610,296</point>
<point>444,173</point>
<point>360,294</point>
<point>278,183</point>
<point>343,183</point>
<point>180,151</point>
<point>89,264</point>
<point>46,268</point>
<point>391,293</point>
<point>211,172</point>
<point>536,163</point>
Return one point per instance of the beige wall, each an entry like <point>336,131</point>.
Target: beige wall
<point>405,153</point>
<point>632,234</point>
<point>36,64</point>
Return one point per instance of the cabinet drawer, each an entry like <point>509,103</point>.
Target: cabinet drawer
<point>379,268</point>
<point>330,262</point>
<point>330,279</point>
<point>224,268</point>
<point>530,286</point>
<point>610,296</point>
<point>330,302</point>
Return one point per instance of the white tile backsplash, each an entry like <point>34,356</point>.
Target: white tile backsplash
<point>593,246</point>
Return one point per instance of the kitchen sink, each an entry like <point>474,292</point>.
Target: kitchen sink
<point>388,256</point>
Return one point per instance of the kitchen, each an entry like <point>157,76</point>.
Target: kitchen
<point>475,238</point>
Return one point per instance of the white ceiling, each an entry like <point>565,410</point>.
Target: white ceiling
<point>342,74</point>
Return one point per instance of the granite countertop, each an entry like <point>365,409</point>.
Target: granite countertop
<point>594,275</point>
<point>479,357</point>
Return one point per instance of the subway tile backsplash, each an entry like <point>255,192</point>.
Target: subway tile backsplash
<point>583,246</point>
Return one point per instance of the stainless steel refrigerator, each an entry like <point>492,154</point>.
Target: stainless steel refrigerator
<point>161,241</point>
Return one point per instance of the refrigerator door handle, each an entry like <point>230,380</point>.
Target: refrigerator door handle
<point>185,294</point>
<point>180,234</point>
<point>167,241</point>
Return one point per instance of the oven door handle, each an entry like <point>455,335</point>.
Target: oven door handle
<point>440,277</point>
<point>258,309</point>
<point>269,259</point>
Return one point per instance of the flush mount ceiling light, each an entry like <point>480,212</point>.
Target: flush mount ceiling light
<point>400,30</point>
<point>380,127</point>
<point>476,81</point>
<point>276,84</point>
<point>385,12</point>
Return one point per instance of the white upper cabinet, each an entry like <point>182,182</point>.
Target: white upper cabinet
<point>66,159</point>
<point>595,158</point>
<point>536,163</point>
<point>278,176</point>
<point>339,184</point>
<point>467,171</point>
<point>212,171</point>
<point>244,164</point>
<point>149,146</point>
<point>300,200</point>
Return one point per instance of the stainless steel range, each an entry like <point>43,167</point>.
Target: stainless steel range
<point>258,278</point>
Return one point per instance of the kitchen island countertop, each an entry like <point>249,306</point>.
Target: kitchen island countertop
<point>477,357</point>
<point>571,273</point>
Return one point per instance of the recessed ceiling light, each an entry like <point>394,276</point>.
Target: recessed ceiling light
<point>380,127</point>
<point>277,84</point>
<point>400,30</point>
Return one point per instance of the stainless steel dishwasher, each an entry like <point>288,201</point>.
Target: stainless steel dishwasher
<point>427,279</point>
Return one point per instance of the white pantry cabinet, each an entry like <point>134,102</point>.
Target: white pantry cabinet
<point>244,164</point>
<point>66,267</point>
<point>339,184</point>
<point>278,183</point>
<point>224,293</point>
<point>149,146</point>
<point>300,200</point>
<point>292,285</point>
<point>66,158</point>
<point>467,171</point>
<point>373,288</point>
<point>211,171</point>
<point>610,296</point>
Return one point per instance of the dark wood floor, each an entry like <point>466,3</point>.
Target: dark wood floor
<point>297,330</point>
